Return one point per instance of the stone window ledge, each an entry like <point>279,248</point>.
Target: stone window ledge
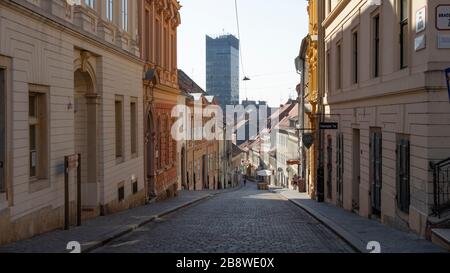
<point>38,185</point>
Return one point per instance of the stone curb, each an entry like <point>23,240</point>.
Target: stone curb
<point>91,246</point>
<point>353,241</point>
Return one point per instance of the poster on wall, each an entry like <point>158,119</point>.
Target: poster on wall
<point>421,20</point>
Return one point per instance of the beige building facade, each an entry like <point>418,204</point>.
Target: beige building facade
<point>386,89</point>
<point>71,78</point>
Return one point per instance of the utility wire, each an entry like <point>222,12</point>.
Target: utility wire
<point>240,42</point>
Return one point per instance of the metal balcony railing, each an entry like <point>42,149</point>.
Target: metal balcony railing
<point>441,186</point>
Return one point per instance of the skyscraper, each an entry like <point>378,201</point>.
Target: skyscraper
<point>222,69</point>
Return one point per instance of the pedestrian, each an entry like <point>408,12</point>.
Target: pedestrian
<point>245,181</point>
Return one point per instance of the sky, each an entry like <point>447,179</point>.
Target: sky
<point>270,41</point>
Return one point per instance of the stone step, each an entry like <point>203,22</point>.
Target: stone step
<point>441,237</point>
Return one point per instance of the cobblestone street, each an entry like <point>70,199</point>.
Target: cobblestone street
<point>244,221</point>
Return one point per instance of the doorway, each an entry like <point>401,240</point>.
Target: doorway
<point>205,177</point>
<point>340,168</point>
<point>356,168</point>
<point>2,131</point>
<point>85,136</point>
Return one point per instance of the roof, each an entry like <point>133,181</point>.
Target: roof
<point>187,84</point>
<point>285,123</point>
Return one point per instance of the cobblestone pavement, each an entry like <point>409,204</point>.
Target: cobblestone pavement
<point>244,221</point>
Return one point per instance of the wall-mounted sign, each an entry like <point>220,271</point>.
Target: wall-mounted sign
<point>420,42</point>
<point>443,17</point>
<point>447,76</point>
<point>421,19</point>
<point>328,126</point>
<point>308,140</point>
<point>443,41</point>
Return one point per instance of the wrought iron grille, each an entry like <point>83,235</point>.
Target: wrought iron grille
<point>441,186</point>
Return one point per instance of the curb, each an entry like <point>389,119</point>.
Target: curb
<point>91,246</point>
<point>351,240</point>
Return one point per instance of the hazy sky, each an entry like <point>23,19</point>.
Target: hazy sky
<point>271,33</point>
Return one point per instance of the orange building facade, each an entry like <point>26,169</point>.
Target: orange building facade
<point>158,23</point>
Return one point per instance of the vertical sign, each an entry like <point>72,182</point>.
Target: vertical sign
<point>447,76</point>
<point>421,22</point>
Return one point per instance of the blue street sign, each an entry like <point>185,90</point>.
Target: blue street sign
<point>447,75</point>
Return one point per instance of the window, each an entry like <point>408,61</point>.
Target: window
<point>119,126</point>
<point>339,66</point>
<point>404,33</point>
<point>89,3</point>
<point>376,46</point>
<point>328,67</point>
<point>147,35</point>
<point>121,192</point>
<point>166,47</point>
<point>376,168</point>
<point>158,143</point>
<point>133,126</point>
<point>167,138</point>
<point>158,42</point>
<point>403,173</point>
<point>2,131</point>
<point>125,15</point>
<point>109,10</point>
<point>37,125</point>
<point>355,59</point>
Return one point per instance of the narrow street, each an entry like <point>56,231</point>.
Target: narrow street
<point>243,221</point>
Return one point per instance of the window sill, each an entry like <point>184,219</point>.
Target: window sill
<point>37,185</point>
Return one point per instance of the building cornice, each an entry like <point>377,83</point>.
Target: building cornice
<point>54,21</point>
<point>335,12</point>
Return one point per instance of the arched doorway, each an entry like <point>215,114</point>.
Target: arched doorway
<point>85,135</point>
<point>183,169</point>
<point>150,161</point>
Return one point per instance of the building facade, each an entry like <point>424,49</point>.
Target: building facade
<point>222,69</point>
<point>386,88</point>
<point>158,23</point>
<point>70,83</point>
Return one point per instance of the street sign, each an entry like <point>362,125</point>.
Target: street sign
<point>443,17</point>
<point>308,140</point>
<point>328,126</point>
<point>447,75</point>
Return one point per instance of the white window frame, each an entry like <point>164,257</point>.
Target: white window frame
<point>110,10</point>
<point>124,14</point>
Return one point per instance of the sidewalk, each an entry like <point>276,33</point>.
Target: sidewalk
<point>359,231</point>
<point>98,231</point>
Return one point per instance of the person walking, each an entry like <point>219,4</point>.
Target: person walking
<point>245,181</point>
